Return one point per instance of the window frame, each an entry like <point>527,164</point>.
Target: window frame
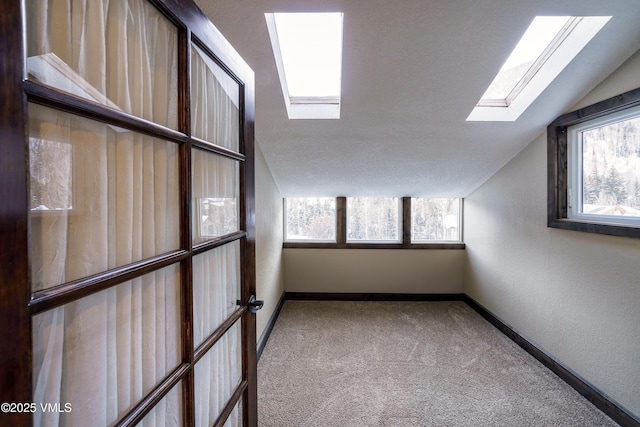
<point>459,223</point>
<point>376,242</point>
<point>405,231</point>
<point>575,169</point>
<point>558,158</point>
<point>533,85</point>
<point>69,210</point>
<point>305,106</point>
<point>557,40</point>
<point>286,228</point>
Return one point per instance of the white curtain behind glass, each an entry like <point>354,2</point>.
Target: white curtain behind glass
<point>123,197</point>
<point>215,118</point>
<point>217,375</point>
<point>215,113</point>
<point>102,354</point>
<point>214,181</point>
<point>216,289</point>
<point>123,49</point>
<point>216,286</point>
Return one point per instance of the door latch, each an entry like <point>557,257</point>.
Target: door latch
<point>254,304</point>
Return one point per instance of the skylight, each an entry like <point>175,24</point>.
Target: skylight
<point>308,53</point>
<point>535,41</point>
<point>548,45</point>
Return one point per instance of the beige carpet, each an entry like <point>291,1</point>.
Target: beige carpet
<point>406,364</point>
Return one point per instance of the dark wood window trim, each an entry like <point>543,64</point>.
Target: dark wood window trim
<point>216,149</point>
<point>341,231</point>
<point>71,291</point>
<point>231,404</point>
<point>41,94</point>
<point>557,158</point>
<point>214,337</point>
<point>146,405</point>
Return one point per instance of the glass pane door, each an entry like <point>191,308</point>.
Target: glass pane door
<point>127,250</point>
<point>104,210</point>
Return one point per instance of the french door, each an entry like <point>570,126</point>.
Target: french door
<point>127,247</point>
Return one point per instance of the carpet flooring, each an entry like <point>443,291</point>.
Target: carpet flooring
<point>402,364</point>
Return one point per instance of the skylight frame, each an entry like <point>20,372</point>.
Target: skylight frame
<point>557,40</point>
<point>305,107</point>
<point>563,48</point>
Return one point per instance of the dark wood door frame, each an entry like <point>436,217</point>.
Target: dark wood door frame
<point>15,327</point>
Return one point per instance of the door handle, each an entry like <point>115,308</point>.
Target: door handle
<point>254,304</point>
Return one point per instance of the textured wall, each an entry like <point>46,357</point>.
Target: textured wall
<point>374,270</point>
<point>576,295</point>
<point>269,272</point>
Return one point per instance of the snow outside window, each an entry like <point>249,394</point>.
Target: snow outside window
<point>435,220</point>
<point>604,169</point>
<point>373,219</point>
<point>310,219</point>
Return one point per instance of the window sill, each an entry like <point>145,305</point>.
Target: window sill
<point>440,246</point>
<point>594,227</point>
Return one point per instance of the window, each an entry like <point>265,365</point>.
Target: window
<point>542,37</point>
<point>51,175</point>
<point>373,219</point>
<point>308,51</point>
<point>310,219</point>
<point>595,186</point>
<point>548,45</point>
<point>373,223</point>
<point>604,169</point>
<point>435,220</point>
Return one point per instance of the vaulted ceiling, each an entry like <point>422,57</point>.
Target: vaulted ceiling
<point>412,72</point>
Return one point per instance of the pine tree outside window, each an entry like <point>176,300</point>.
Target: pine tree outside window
<point>604,169</point>
<point>310,219</point>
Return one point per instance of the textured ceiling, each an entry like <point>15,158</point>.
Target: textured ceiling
<point>412,72</point>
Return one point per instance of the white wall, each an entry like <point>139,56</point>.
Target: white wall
<point>576,295</point>
<point>374,270</point>
<point>269,225</point>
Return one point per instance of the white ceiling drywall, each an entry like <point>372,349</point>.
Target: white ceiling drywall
<point>412,72</point>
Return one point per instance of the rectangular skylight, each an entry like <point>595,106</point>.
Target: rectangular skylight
<point>308,53</point>
<point>548,45</point>
<point>535,41</point>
